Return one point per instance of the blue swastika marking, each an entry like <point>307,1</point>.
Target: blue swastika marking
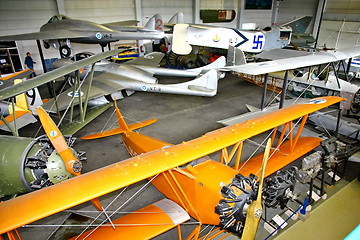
<point>258,42</point>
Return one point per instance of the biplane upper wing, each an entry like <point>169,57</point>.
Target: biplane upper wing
<point>48,77</point>
<point>310,59</point>
<point>36,205</point>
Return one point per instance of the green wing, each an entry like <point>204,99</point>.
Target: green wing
<point>103,84</point>
<point>48,77</point>
<point>151,60</point>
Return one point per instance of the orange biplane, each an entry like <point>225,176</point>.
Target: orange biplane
<point>209,191</point>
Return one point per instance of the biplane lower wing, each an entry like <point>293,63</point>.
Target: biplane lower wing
<point>25,209</point>
<point>282,157</point>
<point>156,218</point>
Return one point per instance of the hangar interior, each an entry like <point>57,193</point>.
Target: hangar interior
<point>335,24</point>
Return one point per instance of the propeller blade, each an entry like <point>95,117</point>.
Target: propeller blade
<point>255,209</point>
<point>73,165</point>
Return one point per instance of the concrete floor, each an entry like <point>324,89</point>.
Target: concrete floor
<point>180,118</point>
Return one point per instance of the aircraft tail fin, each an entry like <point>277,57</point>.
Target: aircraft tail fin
<point>123,127</point>
<point>180,39</point>
<point>155,23</point>
<point>206,82</point>
<point>177,18</point>
<point>235,57</point>
<point>121,121</point>
<point>299,25</point>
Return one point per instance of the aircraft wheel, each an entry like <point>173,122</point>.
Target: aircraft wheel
<point>65,51</point>
<point>46,45</point>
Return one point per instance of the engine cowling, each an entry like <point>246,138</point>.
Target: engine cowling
<point>238,195</point>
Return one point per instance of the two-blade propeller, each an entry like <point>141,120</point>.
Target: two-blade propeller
<point>73,165</point>
<point>255,209</point>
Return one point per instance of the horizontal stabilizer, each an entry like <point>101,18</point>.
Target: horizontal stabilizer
<point>141,124</point>
<point>200,88</point>
<point>145,223</point>
<point>119,130</point>
<point>104,134</point>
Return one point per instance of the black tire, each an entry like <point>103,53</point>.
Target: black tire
<point>46,45</point>
<point>65,51</point>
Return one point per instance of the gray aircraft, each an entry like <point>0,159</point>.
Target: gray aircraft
<point>136,75</point>
<point>107,78</point>
<point>60,30</point>
<point>299,37</point>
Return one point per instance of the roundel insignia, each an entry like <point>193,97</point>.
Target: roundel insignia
<point>216,38</point>
<point>53,133</point>
<point>70,94</point>
<point>144,88</point>
<point>316,101</point>
<point>1,83</point>
<point>98,35</point>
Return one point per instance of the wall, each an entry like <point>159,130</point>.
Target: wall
<point>22,16</point>
<point>290,10</point>
<point>340,27</point>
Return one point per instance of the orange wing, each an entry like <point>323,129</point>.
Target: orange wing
<point>20,211</point>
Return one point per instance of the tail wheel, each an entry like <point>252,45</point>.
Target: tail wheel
<point>65,51</point>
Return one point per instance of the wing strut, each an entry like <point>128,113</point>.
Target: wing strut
<point>88,91</point>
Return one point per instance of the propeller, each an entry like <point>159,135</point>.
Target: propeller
<point>73,165</point>
<point>255,209</point>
